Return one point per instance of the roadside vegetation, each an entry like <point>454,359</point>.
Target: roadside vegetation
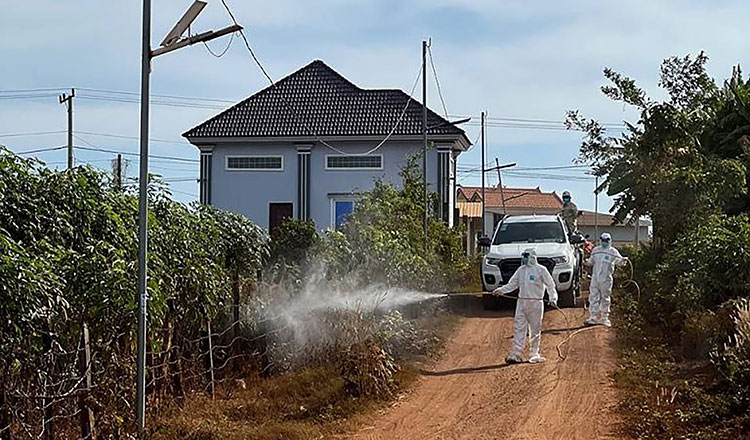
<point>684,347</point>
<point>250,336</point>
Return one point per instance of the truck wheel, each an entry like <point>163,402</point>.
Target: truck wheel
<point>567,298</point>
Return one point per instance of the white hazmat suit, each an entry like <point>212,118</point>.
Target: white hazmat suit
<point>530,279</point>
<point>603,260</point>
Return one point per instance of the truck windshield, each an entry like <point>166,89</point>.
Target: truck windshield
<point>537,232</point>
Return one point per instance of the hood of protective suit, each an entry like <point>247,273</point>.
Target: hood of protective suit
<point>532,256</point>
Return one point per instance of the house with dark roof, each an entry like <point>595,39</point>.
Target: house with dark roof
<point>308,145</point>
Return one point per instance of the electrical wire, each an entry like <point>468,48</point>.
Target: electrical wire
<point>40,150</point>
<point>223,52</point>
<point>301,120</point>
<point>437,82</point>
<point>128,153</point>
<point>137,94</point>
<point>32,133</point>
<point>119,136</point>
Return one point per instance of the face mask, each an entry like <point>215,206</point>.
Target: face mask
<point>524,259</point>
<point>566,200</point>
<point>605,244</point>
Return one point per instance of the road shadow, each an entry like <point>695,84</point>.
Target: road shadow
<point>474,306</point>
<point>466,370</point>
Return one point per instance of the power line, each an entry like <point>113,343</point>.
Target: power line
<point>40,150</point>
<point>301,120</point>
<point>128,153</point>
<point>154,102</point>
<point>437,82</point>
<point>32,133</point>
<point>10,97</point>
<point>183,193</point>
<point>119,136</point>
<point>57,89</point>
<point>537,121</point>
<point>184,98</point>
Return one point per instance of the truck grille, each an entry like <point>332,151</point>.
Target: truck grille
<point>508,267</point>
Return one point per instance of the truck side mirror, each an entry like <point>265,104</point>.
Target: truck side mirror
<point>484,241</point>
<point>576,239</point>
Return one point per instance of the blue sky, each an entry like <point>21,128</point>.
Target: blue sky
<point>527,60</point>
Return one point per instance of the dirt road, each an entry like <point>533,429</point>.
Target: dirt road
<point>471,394</point>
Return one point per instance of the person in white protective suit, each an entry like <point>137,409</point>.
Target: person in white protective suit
<point>603,260</point>
<point>530,279</point>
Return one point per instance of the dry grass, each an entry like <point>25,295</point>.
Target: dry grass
<point>308,404</point>
<point>664,395</point>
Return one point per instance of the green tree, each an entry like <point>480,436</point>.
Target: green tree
<point>683,159</point>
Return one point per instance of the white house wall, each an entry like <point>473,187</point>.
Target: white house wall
<point>250,192</point>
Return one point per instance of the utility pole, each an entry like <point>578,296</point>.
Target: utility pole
<point>68,100</point>
<point>118,171</point>
<point>500,185</point>
<point>173,41</point>
<point>140,374</point>
<point>424,138</point>
<point>481,133</point>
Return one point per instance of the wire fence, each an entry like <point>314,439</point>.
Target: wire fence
<point>84,392</point>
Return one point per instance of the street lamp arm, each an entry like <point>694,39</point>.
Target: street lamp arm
<point>202,37</point>
<point>445,123</point>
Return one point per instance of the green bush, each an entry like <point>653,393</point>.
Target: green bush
<point>704,268</point>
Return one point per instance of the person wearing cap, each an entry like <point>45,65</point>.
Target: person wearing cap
<point>530,279</point>
<point>603,260</point>
<point>569,213</point>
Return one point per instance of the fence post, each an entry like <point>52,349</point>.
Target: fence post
<point>47,402</point>
<point>210,358</point>
<point>84,368</point>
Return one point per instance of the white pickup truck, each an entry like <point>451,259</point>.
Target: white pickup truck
<point>556,250</point>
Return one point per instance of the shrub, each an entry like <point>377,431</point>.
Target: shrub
<point>733,360</point>
<point>704,268</point>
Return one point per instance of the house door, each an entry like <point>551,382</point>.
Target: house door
<point>278,213</point>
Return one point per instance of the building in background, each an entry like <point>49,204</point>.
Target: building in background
<point>621,233</point>
<point>308,146</point>
<point>529,201</point>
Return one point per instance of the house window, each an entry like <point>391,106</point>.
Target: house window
<point>347,162</point>
<point>340,210</point>
<point>255,163</point>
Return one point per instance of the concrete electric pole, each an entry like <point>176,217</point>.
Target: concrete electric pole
<point>68,100</point>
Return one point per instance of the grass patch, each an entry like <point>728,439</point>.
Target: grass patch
<point>664,395</point>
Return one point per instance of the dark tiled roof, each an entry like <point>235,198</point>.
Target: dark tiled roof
<point>316,100</point>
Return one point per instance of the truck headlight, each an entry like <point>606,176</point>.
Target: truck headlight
<point>492,261</point>
<point>562,259</point>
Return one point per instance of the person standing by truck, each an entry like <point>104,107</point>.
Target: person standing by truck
<point>603,260</point>
<point>570,213</point>
<point>530,279</point>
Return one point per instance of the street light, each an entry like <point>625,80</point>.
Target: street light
<point>173,41</point>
